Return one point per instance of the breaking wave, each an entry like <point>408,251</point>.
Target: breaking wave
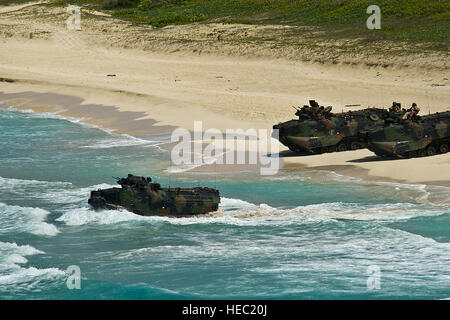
<point>82,216</point>
<point>240,212</point>
<point>69,196</point>
<point>11,184</point>
<point>50,191</point>
<point>24,219</point>
<point>15,278</point>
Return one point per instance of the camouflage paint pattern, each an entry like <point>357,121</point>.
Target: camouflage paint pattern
<point>425,136</point>
<point>334,132</point>
<point>142,197</point>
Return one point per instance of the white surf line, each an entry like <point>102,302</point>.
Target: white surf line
<point>84,123</point>
<point>22,6</point>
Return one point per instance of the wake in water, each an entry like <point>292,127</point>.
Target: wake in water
<point>72,203</point>
<point>240,212</point>
<point>287,236</point>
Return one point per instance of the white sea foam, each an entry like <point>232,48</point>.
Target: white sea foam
<point>231,211</point>
<point>354,211</point>
<point>343,249</point>
<point>123,140</point>
<point>229,204</point>
<point>243,213</point>
<point>11,183</point>
<point>24,219</point>
<point>14,277</point>
<point>198,160</point>
<point>422,193</point>
<point>236,211</point>
<point>67,196</point>
<point>11,249</point>
<point>182,168</point>
<point>50,115</point>
<point>41,115</point>
<point>117,140</point>
<point>50,191</point>
<point>82,216</point>
<point>29,278</point>
<point>439,195</point>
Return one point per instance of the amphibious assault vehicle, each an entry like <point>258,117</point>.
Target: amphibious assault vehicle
<point>318,130</point>
<point>141,196</point>
<point>415,136</point>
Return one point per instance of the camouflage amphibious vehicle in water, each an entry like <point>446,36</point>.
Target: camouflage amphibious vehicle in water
<point>414,136</point>
<point>141,196</point>
<point>318,130</point>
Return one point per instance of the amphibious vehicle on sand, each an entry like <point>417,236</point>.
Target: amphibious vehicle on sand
<point>318,130</point>
<point>415,136</point>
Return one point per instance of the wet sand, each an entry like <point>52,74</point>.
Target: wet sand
<point>141,92</point>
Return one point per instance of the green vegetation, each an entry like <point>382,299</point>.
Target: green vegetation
<point>410,20</point>
<point>10,2</point>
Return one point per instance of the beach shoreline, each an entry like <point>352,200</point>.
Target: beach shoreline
<point>140,92</point>
<point>112,120</point>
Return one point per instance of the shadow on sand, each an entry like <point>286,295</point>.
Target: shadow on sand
<point>374,159</point>
<point>289,153</point>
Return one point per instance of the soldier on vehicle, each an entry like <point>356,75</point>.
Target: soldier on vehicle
<point>316,110</point>
<point>396,107</point>
<point>327,111</point>
<point>412,113</point>
<point>395,112</point>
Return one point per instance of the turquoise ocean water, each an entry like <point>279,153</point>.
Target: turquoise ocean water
<point>310,235</point>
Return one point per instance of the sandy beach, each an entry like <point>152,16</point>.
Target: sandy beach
<point>134,163</point>
<point>154,86</point>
